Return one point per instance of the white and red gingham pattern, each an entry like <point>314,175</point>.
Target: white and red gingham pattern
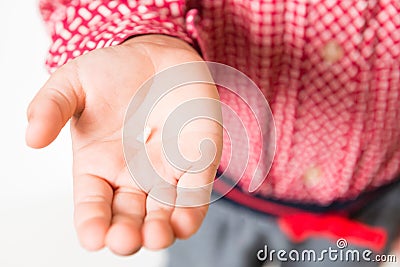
<point>78,26</point>
<point>337,117</point>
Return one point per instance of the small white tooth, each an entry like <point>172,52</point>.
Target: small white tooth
<point>143,137</point>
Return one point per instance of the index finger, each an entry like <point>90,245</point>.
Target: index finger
<point>92,215</point>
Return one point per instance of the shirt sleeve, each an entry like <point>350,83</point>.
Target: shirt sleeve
<point>79,26</point>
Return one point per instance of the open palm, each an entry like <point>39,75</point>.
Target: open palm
<point>95,90</point>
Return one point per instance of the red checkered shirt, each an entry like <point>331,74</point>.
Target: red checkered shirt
<point>329,69</point>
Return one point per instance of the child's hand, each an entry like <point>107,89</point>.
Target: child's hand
<point>94,90</point>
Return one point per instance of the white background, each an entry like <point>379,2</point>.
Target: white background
<point>36,226</point>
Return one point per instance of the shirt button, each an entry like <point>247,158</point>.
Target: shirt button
<point>312,176</point>
<point>332,52</point>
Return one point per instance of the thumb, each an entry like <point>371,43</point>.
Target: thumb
<point>55,103</point>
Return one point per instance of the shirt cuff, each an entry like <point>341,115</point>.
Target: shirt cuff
<point>78,27</point>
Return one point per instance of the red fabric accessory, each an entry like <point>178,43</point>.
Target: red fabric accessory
<point>299,227</point>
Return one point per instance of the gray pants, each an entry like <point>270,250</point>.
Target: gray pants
<point>232,236</point>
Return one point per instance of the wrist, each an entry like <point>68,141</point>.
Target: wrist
<point>163,50</point>
<point>160,40</point>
